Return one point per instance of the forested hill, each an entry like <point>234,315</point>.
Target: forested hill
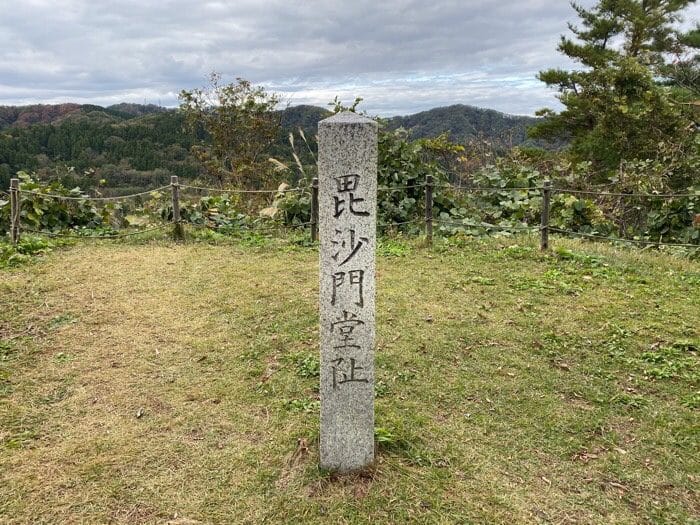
<point>465,122</point>
<point>127,146</point>
<point>304,117</point>
<point>462,122</point>
<point>24,116</point>
<point>130,146</point>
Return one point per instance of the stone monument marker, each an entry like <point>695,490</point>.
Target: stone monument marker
<point>347,165</point>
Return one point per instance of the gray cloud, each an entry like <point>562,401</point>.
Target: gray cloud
<point>400,55</point>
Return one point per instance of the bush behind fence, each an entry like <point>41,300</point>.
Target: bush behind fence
<point>421,208</point>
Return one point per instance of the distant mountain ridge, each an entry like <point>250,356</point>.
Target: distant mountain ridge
<point>24,116</point>
<point>462,122</point>
<point>135,146</point>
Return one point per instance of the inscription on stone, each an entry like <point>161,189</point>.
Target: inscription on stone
<point>347,164</point>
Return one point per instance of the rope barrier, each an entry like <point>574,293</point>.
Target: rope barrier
<point>273,228</point>
<point>290,190</point>
<point>566,190</point>
<point>488,226</point>
<point>381,188</point>
<point>384,225</point>
<point>614,194</point>
<point>449,223</point>
<point>86,198</point>
<point>469,189</point>
<point>219,190</point>
<point>243,228</point>
<point>613,239</point>
<point>95,237</point>
<point>404,187</point>
<point>247,229</point>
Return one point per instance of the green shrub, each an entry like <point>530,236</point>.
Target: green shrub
<point>42,213</point>
<point>218,212</point>
<point>28,247</point>
<point>676,219</point>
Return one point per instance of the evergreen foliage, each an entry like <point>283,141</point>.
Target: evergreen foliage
<point>617,107</point>
<point>93,148</point>
<point>131,147</point>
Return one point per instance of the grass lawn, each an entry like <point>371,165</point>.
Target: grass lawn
<point>161,383</point>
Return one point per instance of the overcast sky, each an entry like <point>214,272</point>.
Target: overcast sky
<point>402,56</point>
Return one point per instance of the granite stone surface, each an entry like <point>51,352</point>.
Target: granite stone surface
<point>347,163</point>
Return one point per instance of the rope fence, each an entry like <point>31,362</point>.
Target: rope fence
<point>401,187</point>
<point>615,239</point>
<point>547,190</point>
<point>99,199</point>
<point>248,229</point>
<point>614,194</point>
<point>468,189</point>
<point>191,187</point>
<point>465,189</point>
<point>488,226</point>
<point>96,237</point>
<point>221,190</point>
<point>402,223</point>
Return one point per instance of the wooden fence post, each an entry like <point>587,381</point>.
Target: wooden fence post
<point>14,210</point>
<point>544,224</point>
<point>429,208</point>
<point>314,209</point>
<point>178,231</point>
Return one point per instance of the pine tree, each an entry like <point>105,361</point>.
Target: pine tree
<point>683,72</point>
<point>616,107</point>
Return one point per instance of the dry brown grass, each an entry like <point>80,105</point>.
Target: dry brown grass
<point>151,384</point>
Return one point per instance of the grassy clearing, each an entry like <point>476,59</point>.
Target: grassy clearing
<point>155,383</point>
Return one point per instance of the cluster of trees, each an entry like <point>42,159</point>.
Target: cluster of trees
<point>225,132</point>
<point>635,98</point>
<point>93,148</point>
<point>464,123</point>
<point>629,120</point>
<point>630,110</point>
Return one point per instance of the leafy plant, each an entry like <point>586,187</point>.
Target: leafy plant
<point>28,247</point>
<point>236,125</point>
<point>404,166</point>
<point>676,219</point>
<point>393,248</point>
<point>217,212</point>
<point>308,366</point>
<point>295,207</point>
<point>691,401</point>
<point>666,362</point>
<point>576,214</point>
<point>38,211</point>
<point>302,405</point>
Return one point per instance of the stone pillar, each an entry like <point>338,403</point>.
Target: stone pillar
<point>347,165</point>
